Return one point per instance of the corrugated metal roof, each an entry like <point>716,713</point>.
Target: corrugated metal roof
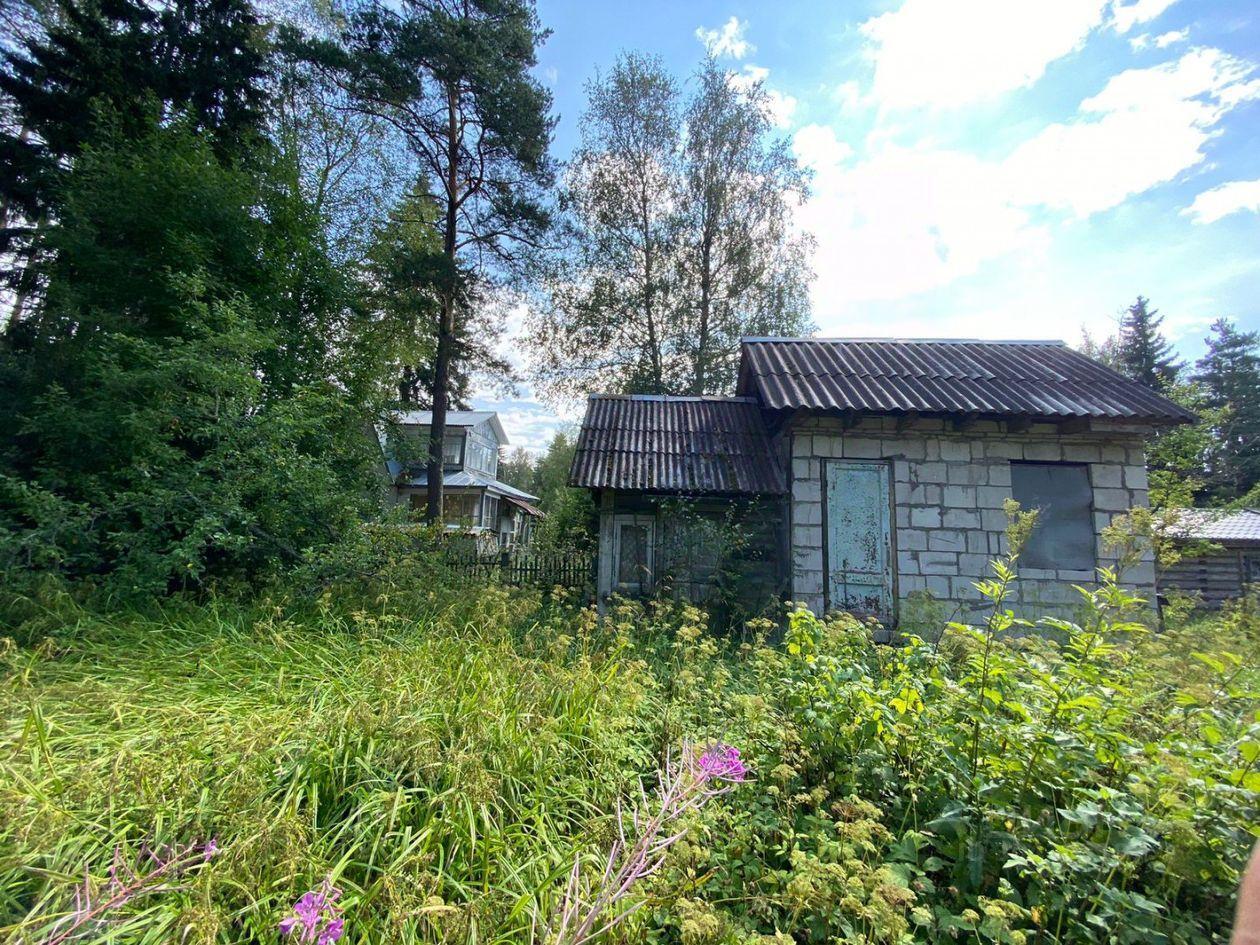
<point>1238,527</point>
<point>993,378</point>
<point>456,418</point>
<point>467,479</point>
<point>675,444</point>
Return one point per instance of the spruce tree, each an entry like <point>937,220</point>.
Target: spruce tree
<point>1230,376</point>
<point>1144,354</point>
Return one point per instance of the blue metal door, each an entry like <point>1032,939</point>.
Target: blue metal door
<point>859,539</point>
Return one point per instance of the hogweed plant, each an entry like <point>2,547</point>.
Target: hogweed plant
<point>588,910</point>
<point>316,918</point>
<point>151,873</point>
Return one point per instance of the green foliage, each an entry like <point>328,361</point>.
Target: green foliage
<point>1230,376</point>
<point>174,410</point>
<point>1142,351</point>
<point>987,787</point>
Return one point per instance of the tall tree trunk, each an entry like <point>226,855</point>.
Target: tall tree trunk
<point>706,304</point>
<point>446,322</point>
<point>649,300</point>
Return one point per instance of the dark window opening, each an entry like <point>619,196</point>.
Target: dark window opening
<point>1064,536</point>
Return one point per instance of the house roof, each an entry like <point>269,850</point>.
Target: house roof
<point>675,444</point>
<point>1041,379</point>
<point>468,479</point>
<point>457,418</point>
<point>1237,527</point>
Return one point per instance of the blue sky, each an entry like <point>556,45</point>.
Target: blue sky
<point>982,168</point>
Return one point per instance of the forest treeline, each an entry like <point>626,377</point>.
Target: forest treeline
<point>234,238</point>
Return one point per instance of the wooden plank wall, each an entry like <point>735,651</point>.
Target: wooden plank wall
<point>1216,577</point>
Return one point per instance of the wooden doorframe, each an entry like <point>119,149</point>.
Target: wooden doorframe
<point>893,595</point>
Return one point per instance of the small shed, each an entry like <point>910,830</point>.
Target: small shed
<point>870,475</point>
<point>691,495</point>
<point>1230,561</point>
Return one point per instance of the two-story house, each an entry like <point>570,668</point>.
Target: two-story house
<point>474,500</point>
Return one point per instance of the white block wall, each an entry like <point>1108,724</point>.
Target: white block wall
<point>948,491</point>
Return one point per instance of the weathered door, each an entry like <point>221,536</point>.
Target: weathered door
<point>859,539</point>
<point>634,552</point>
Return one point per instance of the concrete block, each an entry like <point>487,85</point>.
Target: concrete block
<point>968,474</point>
<point>907,448</point>
<point>993,520</point>
<point>806,536</point>
<point>1106,476</point>
<point>947,541</point>
<point>974,565</point>
<point>931,472</point>
<point>1000,474</point>
<point>959,497</point>
<point>962,588</point>
<point>907,563</point>
<point>901,516</point>
<point>910,583</point>
<point>807,513</point>
<point>1043,452</point>
<point>912,539</point>
<point>924,518</point>
<point>802,445</point>
<point>978,543</point>
<point>992,497</point>
<point>932,448</point>
<point>938,562</point>
<point>965,518</point>
<point>925,495</point>
<point>956,450</point>
<point>806,468</point>
<point>1081,452</point>
<point>939,587</point>
<point>1135,477</point>
<point>860,448</point>
<point>1004,449</point>
<point>807,490</point>
<point>1113,454</point>
<point>1112,500</point>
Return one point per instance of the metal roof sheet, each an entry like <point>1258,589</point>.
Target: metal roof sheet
<point>675,444</point>
<point>456,418</point>
<point>467,479</point>
<point>1240,526</point>
<point>994,378</point>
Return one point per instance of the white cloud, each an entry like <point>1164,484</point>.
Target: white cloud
<point>779,106</point>
<point>1125,16</point>
<point>1143,129</point>
<point>1233,197</point>
<point>900,220</point>
<point>817,147</point>
<point>1164,40</point>
<point>949,54</point>
<point>726,40</point>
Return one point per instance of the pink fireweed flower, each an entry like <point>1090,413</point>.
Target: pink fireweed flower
<point>723,763</point>
<point>593,906</point>
<point>316,916</point>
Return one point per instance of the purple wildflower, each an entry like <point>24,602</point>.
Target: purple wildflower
<point>723,763</point>
<point>316,916</point>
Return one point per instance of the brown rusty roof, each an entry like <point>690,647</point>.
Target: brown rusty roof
<point>675,444</point>
<point>988,378</point>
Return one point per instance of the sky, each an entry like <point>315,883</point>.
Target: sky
<point>981,168</point>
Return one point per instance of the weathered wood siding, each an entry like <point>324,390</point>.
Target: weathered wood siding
<point>1216,577</point>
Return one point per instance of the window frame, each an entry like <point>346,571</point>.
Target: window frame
<point>1032,556</point>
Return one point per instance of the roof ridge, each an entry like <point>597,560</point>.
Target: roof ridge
<point>786,339</point>
<point>675,398</point>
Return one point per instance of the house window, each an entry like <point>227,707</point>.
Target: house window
<point>452,450</point>
<point>490,512</point>
<point>632,553</point>
<point>1064,536</point>
<point>460,508</point>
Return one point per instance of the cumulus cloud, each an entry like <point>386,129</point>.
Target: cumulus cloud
<point>928,53</point>
<point>1144,128</point>
<point>1236,196</point>
<point>727,40</point>
<point>1125,16</point>
<point>899,220</point>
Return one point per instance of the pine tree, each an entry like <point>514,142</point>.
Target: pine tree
<point>1144,354</point>
<point>1230,376</point>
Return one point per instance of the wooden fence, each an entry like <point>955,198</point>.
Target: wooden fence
<point>571,569</point>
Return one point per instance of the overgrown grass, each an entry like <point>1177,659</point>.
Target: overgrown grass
<point>444,756</point>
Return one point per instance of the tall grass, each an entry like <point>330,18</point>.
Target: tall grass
<point>432,764</point>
